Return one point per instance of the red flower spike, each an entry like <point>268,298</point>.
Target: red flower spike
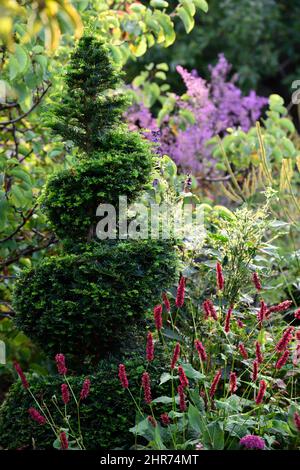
<point>232,382</point>
<point>227,320</point>
<point>147,387</point>
<point>182,377</point>
<point>182,404</point>
<point>220,277</point>
<point>158,317</point>
<point>243,351</point>
<point>63,441</point>
<point>261,392</point>
<point>65,394</point>
<point>255,370</point>
<point>61,364</point>
<point>123,376</point>
<point>215,383</point>
<point>201,350</point>
<point>36,416</point>
<point>21,374</point>
<point>85,391</point>
<point>166,302</point>
<point>258,353</point>
<point>256,281</point>
<point>282,360</point>
<point>176,355</point>
<point>180,293</point>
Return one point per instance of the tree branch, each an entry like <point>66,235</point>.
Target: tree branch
<point>28,251</point>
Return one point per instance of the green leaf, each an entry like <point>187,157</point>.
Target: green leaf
<point>22,57</point>
<point>167,26</point>
<point>192,373</point>
<point>159,4</point>
<point>163,66</point>
<point>13,67</point>
<point>189,6</point>
<point>216,434</point>
<point>195,419</point>
<point>186,18</point>
<point>163,399</point>
<point>165,377</point>
<point>202,4</point>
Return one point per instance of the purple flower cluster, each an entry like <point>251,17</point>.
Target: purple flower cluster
<point>252,442</point>
<point>216,106</point>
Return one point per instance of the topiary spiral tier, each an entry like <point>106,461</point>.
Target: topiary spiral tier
<point>84,302</point>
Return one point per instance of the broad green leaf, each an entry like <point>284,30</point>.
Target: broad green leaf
<point>165,377</point>
<point>22,57</point>
<point>186,18</point>
<point>192,373</point>
<point>216,434</point>
<point>195,419</point>
<point>163,399</point>
<point>159,4</point>
<point>202,4</point>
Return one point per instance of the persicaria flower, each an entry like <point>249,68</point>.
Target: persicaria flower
<point>65,393</point>
<point>262,312</point>
<point>166,302</point>
<point>297,420</point>
<point>123,376</point>
<point>258,353</point>
<point>85,391</point>
<point>296,355</point>
<point>227,320</point>
<point>209,309</point>
<point>165,419</point>
<point>158,316</point>
<point>298,335</point>
<point>182,377</point>
<point>215,383</point>
<point>282,360</point>
<point>255,370</point>
<point>243,351</point>
<point>240,324</point>
<point>63,441</point>
<point>176,355</point>
<point>297,314</point>
<point>180,293</point>
<point>201,350</point>
<point>220,277</point>
<point>150,347</point>
<point>152,421</point>
<point>256,281</point>
<point>21,374</point>
<point>280,307</point>
<point>147,387</point>
<point>182,404</point>
<point>285,339</point>
<point>250,441</point>
<point>36,416</point>
<point>261,392</point>
<point>232,382</point>
<point>61,364</point>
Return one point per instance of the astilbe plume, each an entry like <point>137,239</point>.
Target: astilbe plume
<point>255,370</point>
<point>201,350</point>
<point>85,391</point>
<point>147,387</point>
<point>182,403</point>
<point>21,374</point>
<point>258,353</point>
<point>227,320</point>
<point>180,293</point>
<point>158,317</point>
<point>123,376</point>
<point>285,339</point>
<point>61,364</point>
<point>282,360</point>
<point>63,441</point>
<point>252,442</point>
<point>220,277</point>
<point>256,281</point>
<point>261,392</point>
<point>149,347</point>
<point>243,351</point>
<point>166,302</point>
<point>36,416</point>
<point>65,394</point>
<point>176,354</point>
<point>182,377</point>
<point>215,383</point>
<point>233,382</point>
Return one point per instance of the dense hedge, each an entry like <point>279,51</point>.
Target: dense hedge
<point>71,197</point>
<point>81,304</point>
<point>106,415</point>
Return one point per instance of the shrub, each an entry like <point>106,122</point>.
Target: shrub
<point>81,304</point>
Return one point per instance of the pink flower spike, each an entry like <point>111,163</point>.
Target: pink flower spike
<point>243,351</point>
<point>61,364</point>
<point>261,392</point>
<point>220,277</point>
<point>297,314</point>
<point>149,347</point>
<point>85,391</point>
<point>158,317</point>
<point>180,293</point>
<point>21,374</point>
<point>147,387</point>
<point>201,350</point>
<point>282,360</point>
<point>166,302</point>
<point>63,441</point>
<point>165,419</point>
<point>65,394</point>
<point>285,339</point>
<point>182,404</point>
<point>36,416</point>
<point>176,355</point>
<point>227,320</point>
<point>215,383</point>
<point>297,420</point>
<point>152,421</point>
<point>255,370</point>
<point>256,281</point>
<point>258,353</point>
<point>182,377</point>
<point>123,376</point>
<point>240,324</point>
<point>232,382</point>
<point>282,307</point>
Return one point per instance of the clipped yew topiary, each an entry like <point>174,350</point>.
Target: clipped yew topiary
<point>88,300</point>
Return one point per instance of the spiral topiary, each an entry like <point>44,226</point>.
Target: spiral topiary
<point>87,300</point>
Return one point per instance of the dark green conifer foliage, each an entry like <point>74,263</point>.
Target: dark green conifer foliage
<point>91,104</point>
